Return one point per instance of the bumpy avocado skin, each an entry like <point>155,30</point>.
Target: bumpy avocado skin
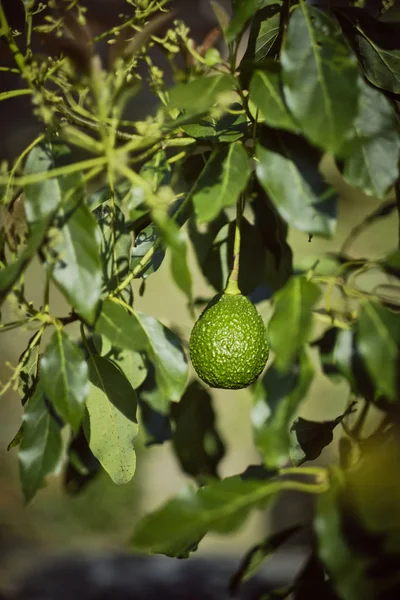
<point>228,344</point>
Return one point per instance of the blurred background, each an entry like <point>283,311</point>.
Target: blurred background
<point>103,515</point>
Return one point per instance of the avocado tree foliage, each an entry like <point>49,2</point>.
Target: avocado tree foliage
<point>229,130</point>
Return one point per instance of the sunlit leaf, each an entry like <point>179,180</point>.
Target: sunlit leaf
<point>228,128</point>
<point>242,11</point>
<point>264,33</point>
<point>64,377</point>
<point>266,95</point>
<point>290,325</point>
<point>294,184</point>
<point>110,423</point>
<point>373,161</point>
<point>199,95</point>
<point>319,75</point>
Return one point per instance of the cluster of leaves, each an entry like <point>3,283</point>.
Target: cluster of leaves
<point>309,83</point>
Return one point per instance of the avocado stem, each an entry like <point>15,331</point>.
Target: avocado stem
<point>232,287</point>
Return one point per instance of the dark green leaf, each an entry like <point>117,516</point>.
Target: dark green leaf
<point>319,75</point>
<point>376,45</point>
<point>264,33</point>
<point>277,398</point>
<point>378,338</point>
<point>242,11</point>
<point>257,555</point>
<point>372,164</point>
<point>199,95</point>
<point>214,254</point>
<point>154,409</point>
<point>293,182</point>
<point>196,442</point>
<point>40,450</point>
<point>121,328</point>
<point>64,377</point>
<point>222,507</point>
<point>146,239</point>
<point>157,171</point>
<point>110,423</point>
<point>290,324</point>
<point>73,259</point>
<point>42,199</point>
<point>228,128</point>
<point>221,182</point>
<point>336,354</point>
<point>266,94</point>
<point>82,466</point>
<point>309,438</point>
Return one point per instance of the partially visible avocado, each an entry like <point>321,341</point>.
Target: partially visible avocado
<point>228,344</point>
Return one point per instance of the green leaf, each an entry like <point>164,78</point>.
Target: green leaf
<point>157,171</point>
<point>264,33</point>
<point>196,441</point>
<point>154,409</point>
<point>257,555</point>
<point>221,507</point>
<point>319,75</point>
<point>293,182</point>
<point>73,259</point>
<point>228,128</point>
<point>10,274</point>
<point>391,264</point>
<point>110,423</point>
<point>147,238</point>
<point>41,200</point>
<point>40,450</point>
<point>336,348</point>
<point>222,181</point>
<point>376,45</point>
<point>372,164</point>
<point>141,332</point>
<point>242,11</point>
<point>266,95</point>
<point>64,377</point>
<point>290,325</point>
<point>277,398</point>
<point>199,95</point>
<point>132,364</point>
<point>378,336</point>
<point>309,438</point>
<point>116,242</point>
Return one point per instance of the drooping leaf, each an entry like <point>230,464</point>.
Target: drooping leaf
<point>199,95</point>
<point>140,332</point>
<point>292,180</point>
<point>376,45</point>
<point>73,259</point>
<point>372,164</point>
<point>242,11</point>
<point>277,398</point>
<point>266,95</point>
<point>257,555</point>
<point>154,408</point>
<point>64,377</point>
<point>290,324</point>
<point>40,449</point>
<point>319,74</point>
<point>309,438</point>
<point>336,348</point>
<point>378,340</point>
<point>110,423</point>
<point>221,182</point>
<point>195,440</point>
<point>228,128</point>
<point>222,507</point>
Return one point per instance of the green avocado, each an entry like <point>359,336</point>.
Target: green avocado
<point>228,344</point>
